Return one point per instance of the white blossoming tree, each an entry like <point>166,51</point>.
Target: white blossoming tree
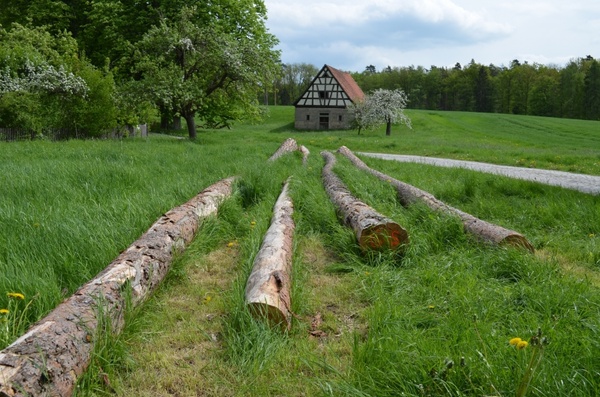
<point>381,107</point>
<point>45,84</point>
<point>210,72</point>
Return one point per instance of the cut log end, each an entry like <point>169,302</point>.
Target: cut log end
<point>273,315</point>
<point>383,236</point>
<point>517,240</point>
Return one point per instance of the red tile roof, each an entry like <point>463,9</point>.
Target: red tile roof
<point>348,84</point>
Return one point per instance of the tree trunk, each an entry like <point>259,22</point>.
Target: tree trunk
<point>288,146</point>
<point>408,194</point>
<point>388,128</point>
<point>168,121</point>
<point>268,287</point>
<point>373,230</point>
<point>176,123</point>
<point>49,358</point>
<point>190,119</point>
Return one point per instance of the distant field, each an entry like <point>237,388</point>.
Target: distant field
<point>390,323</point>
<point>527,141</point>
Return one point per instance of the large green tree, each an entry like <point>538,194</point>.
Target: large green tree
<point>208,67</point>
<point>45,84</point>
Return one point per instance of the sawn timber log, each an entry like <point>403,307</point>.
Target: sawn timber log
<point>373,230</point>
<point>408,194</point>
<point>305,153</point>
<point>288,146</point>
<point>54,352</point>
<point>269,285</point>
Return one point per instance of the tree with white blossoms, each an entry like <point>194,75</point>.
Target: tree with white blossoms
<point>43,78</point>
<point>211,71</point>
<point>381,107</point>
<point>46,84</point>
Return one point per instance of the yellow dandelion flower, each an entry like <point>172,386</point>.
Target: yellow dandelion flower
<point>207,299</point>
<point>4,311</point>
<point>515,341</point>
<point>253,223</point>
<point>522,345</point>
<point>431,307</point>
<point>16,295</point>
<point>231,244</point>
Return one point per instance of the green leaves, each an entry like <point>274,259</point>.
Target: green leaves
<point>45,84</point>
<point>213,70</point>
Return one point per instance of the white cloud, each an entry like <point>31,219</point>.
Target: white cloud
<point>295,16</point>
<point>351,34</point>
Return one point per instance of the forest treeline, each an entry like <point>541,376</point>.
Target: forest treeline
<point>569,91</point>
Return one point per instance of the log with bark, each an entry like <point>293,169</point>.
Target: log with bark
<point>408,194</point>
<point>305,154</point>
<point>269,285</point>
<point>373,230</point>
<point>288,146</point>
<point>54,352</point>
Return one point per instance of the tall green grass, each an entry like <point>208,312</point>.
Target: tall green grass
<point>69,208</point>
<point>433,320</point>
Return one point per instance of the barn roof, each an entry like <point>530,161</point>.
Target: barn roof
<point>345,81</point>
<point>348,84</point>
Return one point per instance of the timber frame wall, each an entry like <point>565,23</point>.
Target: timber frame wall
<point>324,104</point>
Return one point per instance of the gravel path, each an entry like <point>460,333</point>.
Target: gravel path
<point>583,183</point>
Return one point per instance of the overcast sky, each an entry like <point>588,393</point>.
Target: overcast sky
<point>351,34</point>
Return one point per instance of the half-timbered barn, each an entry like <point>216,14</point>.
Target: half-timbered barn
<point>324,104</point>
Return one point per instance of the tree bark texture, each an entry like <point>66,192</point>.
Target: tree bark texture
<point>305,153</point>
<point>408,194</point>
<point>373,230</point>
<point>269,285</point>
<point>190,119</point>
<point>49,358</point>
<point>288,146</point>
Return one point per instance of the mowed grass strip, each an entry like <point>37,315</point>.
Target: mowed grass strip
<point>433,320</point>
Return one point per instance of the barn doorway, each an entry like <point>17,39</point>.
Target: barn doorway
<point>323,121</point>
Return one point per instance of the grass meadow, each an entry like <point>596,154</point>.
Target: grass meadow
<point>433,320</point>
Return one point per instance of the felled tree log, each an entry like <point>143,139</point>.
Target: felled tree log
<point>288,146</point>
<point>49,358</point>
<point>409,194</point>
<point>268,287</point>
<point>373,230</point>
<point>305,154</point>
